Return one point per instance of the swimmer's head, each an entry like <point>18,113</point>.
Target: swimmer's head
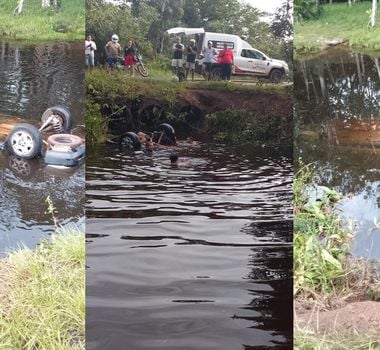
<point>173,157</point>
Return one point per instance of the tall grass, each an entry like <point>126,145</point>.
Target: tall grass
<point>44,305</point>
<point>339,21</point>
<point>37,24</point>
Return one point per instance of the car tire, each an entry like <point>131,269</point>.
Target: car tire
<point>130,142</point>
<point>25,141</point>
<point>168,137</point>
<point>63,115</point>
<point>216,73</point>
<point>276,75</point>
<point>67,140</point>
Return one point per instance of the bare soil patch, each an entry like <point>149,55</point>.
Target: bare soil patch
<point>356,317</point>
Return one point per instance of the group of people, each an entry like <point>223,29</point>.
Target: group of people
<point>113,52</point>
<point>209,54</point>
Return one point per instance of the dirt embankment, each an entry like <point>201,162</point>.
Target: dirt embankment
<point>362,317</point>
<point>261,103</point>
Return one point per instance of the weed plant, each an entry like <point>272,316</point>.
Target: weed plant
<point>321,244</point>
<point>44,304</point>
<point>38,24</point>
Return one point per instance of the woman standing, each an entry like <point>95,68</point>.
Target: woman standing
<point>226,59</point>
<point>129,57</point>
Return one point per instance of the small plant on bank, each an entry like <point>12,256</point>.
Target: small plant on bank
<point>321,244</point>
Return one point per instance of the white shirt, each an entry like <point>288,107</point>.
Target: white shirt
<point>89,47</point>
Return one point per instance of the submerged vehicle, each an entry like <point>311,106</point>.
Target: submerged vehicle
<point>248,61</point>
<point>51,139</point>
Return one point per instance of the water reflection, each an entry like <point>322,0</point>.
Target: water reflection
<point>33,78</point>
<point>190,257</point>
<point>338,127</point>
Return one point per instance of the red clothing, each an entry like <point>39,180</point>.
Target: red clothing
<point>226,56</point>
<point>129,60</point>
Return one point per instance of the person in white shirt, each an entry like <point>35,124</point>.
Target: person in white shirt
<point>209,54</point>
<point>89,51</point>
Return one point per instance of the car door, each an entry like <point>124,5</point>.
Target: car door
<point>251,61</point>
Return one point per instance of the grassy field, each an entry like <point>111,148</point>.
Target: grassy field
<point>37,24</point>
<point>339,21</point>
<point>42,296</point>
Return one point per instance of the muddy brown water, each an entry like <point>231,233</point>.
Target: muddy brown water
<point>32,79</point>
<point>338,127</point>
<point>196,256</point>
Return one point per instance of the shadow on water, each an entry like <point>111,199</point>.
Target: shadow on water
<point>197,256</point>
<point>32,79</point>
<point>338,127</point>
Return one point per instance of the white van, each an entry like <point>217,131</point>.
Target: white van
<point>247,60</point>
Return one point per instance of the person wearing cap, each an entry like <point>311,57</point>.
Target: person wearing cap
<point>178,50</point>
<point>113,51</point>
<point>191,52</point>
<point>208,54</point>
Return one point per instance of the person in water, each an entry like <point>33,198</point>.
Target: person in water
<point>173,158</point>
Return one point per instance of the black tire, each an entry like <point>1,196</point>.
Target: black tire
<point>168,137</point>
<point>25,141</point>
<point>276,75</point>
<point>130,142</point>
<point>216,73</point>
<point>62,113</point>
<point>142,70</point>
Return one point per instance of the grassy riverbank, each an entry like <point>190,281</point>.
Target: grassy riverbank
<point>42,296</point>
<point>37,24</point>
<point>330,286</point>
<point>338,21</point>
<point>215,110</point>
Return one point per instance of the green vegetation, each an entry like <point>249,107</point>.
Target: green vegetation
<point>338,21</point>
<point>147,20</point>
<point>42,295</point>
<point>236,126</point>
<point>43,24</point>
<point>321,244</point>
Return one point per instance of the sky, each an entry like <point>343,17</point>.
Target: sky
<point>265,5</point>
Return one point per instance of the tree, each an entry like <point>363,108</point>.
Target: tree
<point>373,13</point>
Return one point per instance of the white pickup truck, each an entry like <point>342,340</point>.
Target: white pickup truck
<point>247,60</point>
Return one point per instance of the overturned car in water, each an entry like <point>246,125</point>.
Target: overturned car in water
<point>52,139</point>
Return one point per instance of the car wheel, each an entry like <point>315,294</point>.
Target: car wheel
<point>276,75</point>
<point>168,131</point>
<point>130,142</point>
<point>63,117</point>
<point>25,141</point>
<point>216,73</point>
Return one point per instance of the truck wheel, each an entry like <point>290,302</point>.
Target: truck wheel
<point>64,116</point>
<point>25,141</point>
<point>130,142</point>
<point>276,75</point>
<point>169,134</point>
<point>216,73</point>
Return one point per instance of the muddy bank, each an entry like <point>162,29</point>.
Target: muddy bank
<point>130,105</point>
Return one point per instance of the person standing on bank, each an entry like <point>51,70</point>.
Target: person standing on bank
<point>89,51</point>
<point>178,49</point>
<point>191,52</point>
<point>208,54</point>
<point>226,59</point>
<point>113,50</point>
<point>129,57</point>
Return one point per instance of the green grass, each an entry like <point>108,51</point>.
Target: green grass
<point>339,21</point>
<point>44,304</point>
<point>37,24</point>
